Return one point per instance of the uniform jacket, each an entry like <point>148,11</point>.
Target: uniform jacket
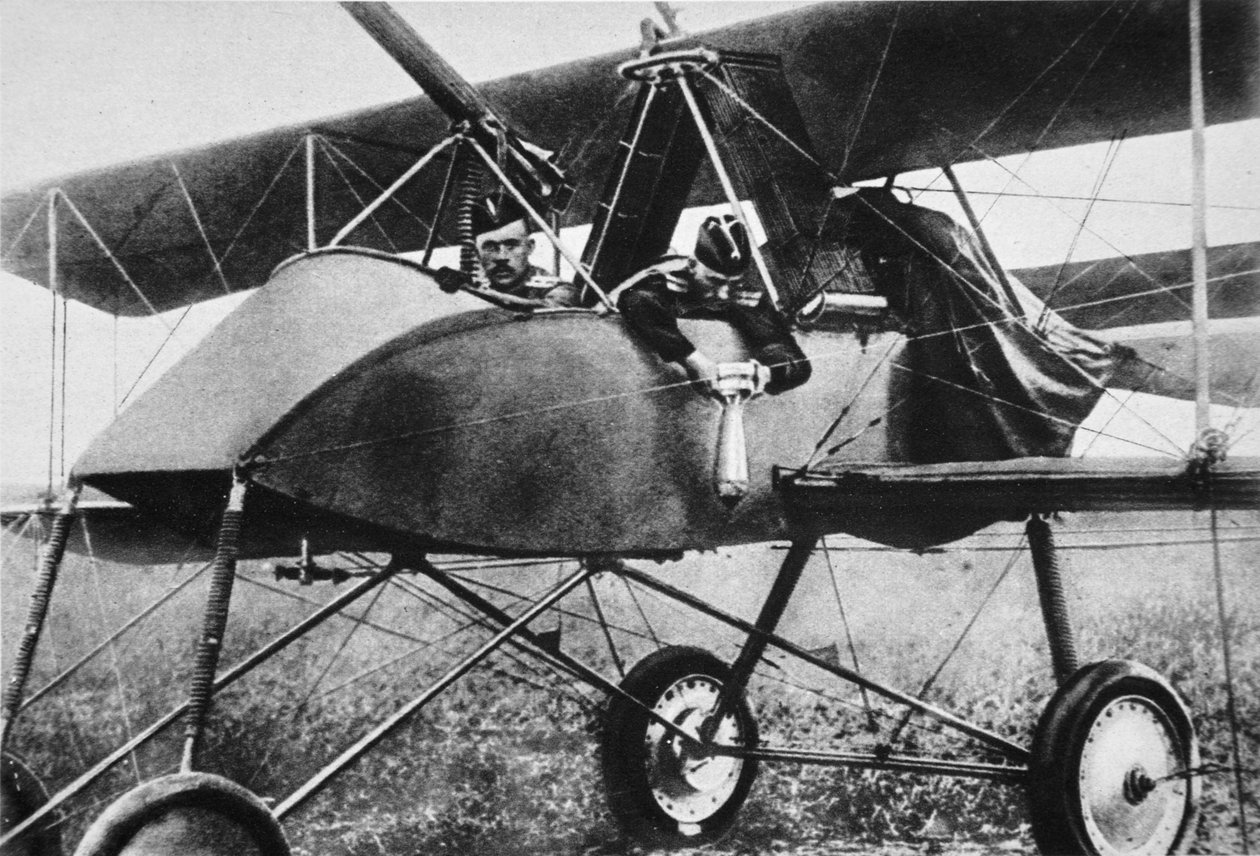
<point>652,301</point>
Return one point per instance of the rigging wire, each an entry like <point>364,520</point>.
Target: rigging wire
<point>13,245</point>
<point>152,359</point>
<point>124,708</point>
<point>201,230</point>
<point>324,141</point>
<point>300,145</point>
<point>1174,454</point>
<point>1047,347</point>
<point>848,632</point>
<point>870,92</point>
<point>1063,55</point>
<point>296,710</point>
<point>70,670</point>
<point>65,340</point>
<point>484,621</point>
<point>327,147</point>
<point>577,616</point>
<point>1014,174</point>
<point>1036,144</point>
<point>1041,75</point>
<point>1160,289</point>
<point>52,395</point>
<point>1109,161</point>
<point>844,411</point>
<point>1231,703</point>
<point>642,615</point>
<point>1067,197</point>
<point>966,631</point>
<point>111,257</point>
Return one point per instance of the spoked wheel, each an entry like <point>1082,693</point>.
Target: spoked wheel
<point>1110,768</point>
<point>21,793</point>
<point>659,787</point>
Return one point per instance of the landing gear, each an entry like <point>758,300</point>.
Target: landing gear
<point>1112,766</point>
<point>660,786</point>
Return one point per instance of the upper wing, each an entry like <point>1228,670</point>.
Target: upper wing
<point>883,88</point>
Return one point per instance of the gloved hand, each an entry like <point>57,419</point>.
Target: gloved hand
<point>451,280</point>
<point>702,371</point>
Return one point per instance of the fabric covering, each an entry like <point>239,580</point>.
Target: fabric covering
<point>980,378</point>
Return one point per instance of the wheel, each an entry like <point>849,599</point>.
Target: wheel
<point>658,788</point>
<point>1103,777</point>
<point>20,794</point>
<point>191,814</point>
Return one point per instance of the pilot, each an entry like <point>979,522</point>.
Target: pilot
<point>504,245</point>
<point>701,285</point>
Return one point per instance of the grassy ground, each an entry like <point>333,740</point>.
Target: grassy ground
<point>506,762</point>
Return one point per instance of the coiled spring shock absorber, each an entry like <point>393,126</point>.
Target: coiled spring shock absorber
<point>1053,597</point>
<point>467,193</point>
<point>214,625</point>
<point>49,563</point>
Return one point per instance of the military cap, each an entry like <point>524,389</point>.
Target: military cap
<point>491,213</point>
<point>722,245</point>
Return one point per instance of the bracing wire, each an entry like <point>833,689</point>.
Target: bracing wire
<point>1231,703</point>
<point>1068,197</point>
<point>112,258</point>
<point>1109,161</point>
<point>70,670</point>
<point>394,198</point>
<point>153,358</point>
<point>300,145</point>
<point>124,708</point>
<point>299,708</point>
<point>848,630</point>
<point>52,395</point>
<point>65,340</point>
<point>476,619</point>
<point>201,230</point>
<point>328,148</point>
<point>966,631</point>
<point>870,92</point>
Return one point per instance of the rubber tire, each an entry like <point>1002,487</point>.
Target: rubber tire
<point>203,797</point>
<point>624,756</point>
<point>1054,797</point>
<point>22,793</point>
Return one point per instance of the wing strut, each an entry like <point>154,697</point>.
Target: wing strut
<point>1198,252</point>
<point>985,246</point>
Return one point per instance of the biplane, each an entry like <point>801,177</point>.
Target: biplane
<point>350,405</point>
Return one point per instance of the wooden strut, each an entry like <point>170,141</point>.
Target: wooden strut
<point>51,553</point>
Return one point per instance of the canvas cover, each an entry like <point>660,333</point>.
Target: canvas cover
<point>982,378</point>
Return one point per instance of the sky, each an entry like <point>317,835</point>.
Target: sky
<point>88,84</point>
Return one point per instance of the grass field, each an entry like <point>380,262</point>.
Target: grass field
<point>506,762</point>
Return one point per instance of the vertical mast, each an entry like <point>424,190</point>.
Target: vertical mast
<point>1198,252</point>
